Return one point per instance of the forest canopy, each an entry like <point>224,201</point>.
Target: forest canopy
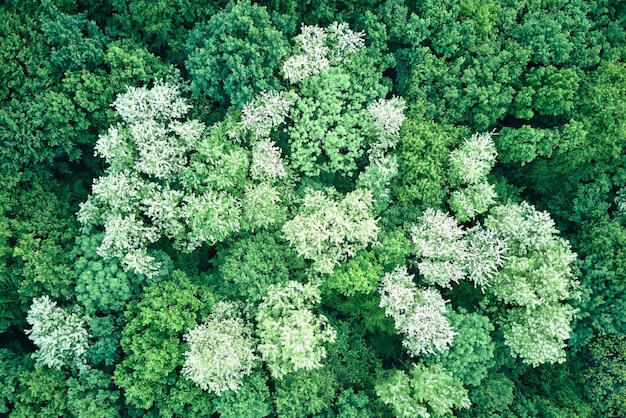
<point>323,209</point>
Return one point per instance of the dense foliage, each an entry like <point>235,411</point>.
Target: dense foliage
<point>331,208</point>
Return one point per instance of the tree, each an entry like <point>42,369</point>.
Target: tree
<point>327,232</point>
<point>291,336</point>
<point>62,338</point>
<point>234,56</point>
<point>418,313</point>
<point>438,240</point>
<point>535,282</point>
<point>471,354</point>
<point>166,178</point>
<point>149,374</point>
<point>221,350</point>
<point>424,391</point>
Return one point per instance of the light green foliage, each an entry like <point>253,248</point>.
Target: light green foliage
<point>535,281</point>
<point>252,400</point>
<point>469,165</point>
<point>151,341</point>
<point>471,354</point>
<point>234,56</point>
<point>266,112</point>
<point>485,255</point>
<point>418,313</point>
<point>423,156</point>
<point>377,177</point>
<point>292,336</point>
<point>41,392</point>
<point>387,118</point>
<point>330,126</point>
<point>221,350</point>
<point>538,334</point>
<point>335,82</point>
<point>328,232</point>
<point>262,207</point>
<point>360,274</point>
<point>473,159</point>
<point>92,395</point>
<point>62,338</point>
<point>318,48</point>
<point>448,253</point>
<point>305,393</point>
<point>266,162</point>
<point>426,391</point>
<point>473,200</point>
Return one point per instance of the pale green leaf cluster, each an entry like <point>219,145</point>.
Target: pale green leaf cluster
<point>418,314</point>
<point>62,338</point>
<point>535,283</point>
<point>292,336</point>
<point>318,47</point>
<point>470,164</point>
<point>448,253</point>
<point>429,391</point>
<point>221,350</point>
<point>267,164</point>
<point>328,232</point>
<point>439,243</point>
<point>266,112</point>
<point>175,178</point>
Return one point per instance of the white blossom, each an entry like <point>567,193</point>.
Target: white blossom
<point>473,160</point>
<point>162,102</point>
<point>266,112</point>
<point>62,338</point>
<point>267,163</point>
<point>388,116</point>
<point>418,314</point>
<point>347,41</point>
<point>291,335</point>
<point>221,350</point>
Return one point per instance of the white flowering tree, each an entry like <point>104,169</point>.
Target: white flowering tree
<point>535,283</point>
<point>327,232</point>
<point>221,350</point>
<point>61,338</point>
<point>174,178</point>
<point>418,314</point>
<point>470,164</point>
<point>448,253</point>
<point>292,336</point>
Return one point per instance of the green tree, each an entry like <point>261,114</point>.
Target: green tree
<point>235,55</point>
<point>151,341</point>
